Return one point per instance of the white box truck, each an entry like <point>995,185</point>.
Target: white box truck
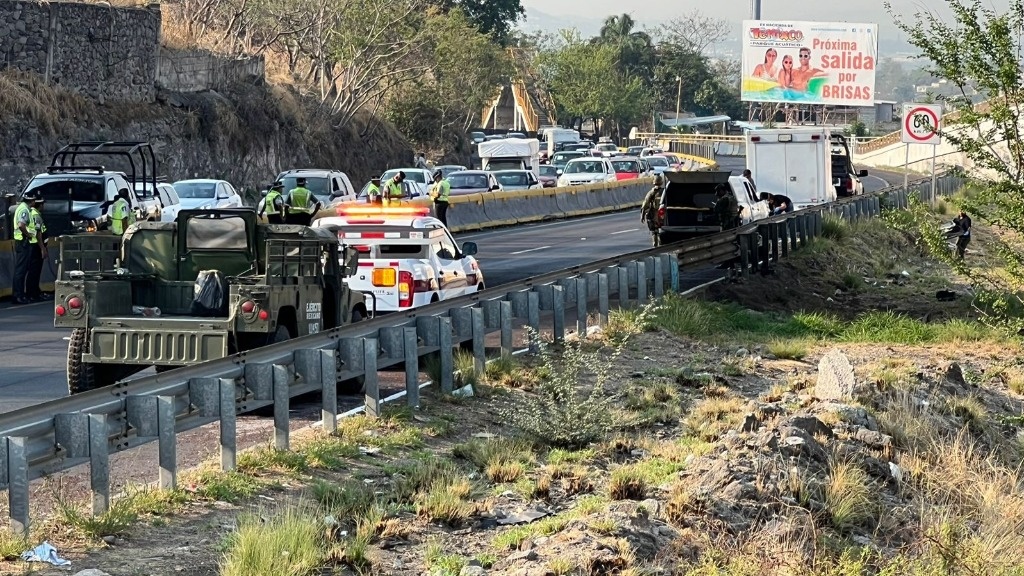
<point>794,162</point>
<point>510,154</point>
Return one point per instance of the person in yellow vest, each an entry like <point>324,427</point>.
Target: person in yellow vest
<point>273,204</point>
<point>440,191</point>
<point>393,190</point>
<point>23,234</point>
<point>300,204</point>
<point>39,254</point>
<point>373,192</point>
<point>121,214</point>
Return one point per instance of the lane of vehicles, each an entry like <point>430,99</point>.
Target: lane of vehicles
<point>213,282</point>
<point>406,257</point>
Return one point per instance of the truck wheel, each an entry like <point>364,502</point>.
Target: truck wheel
<point>357,315</point>
<point>80,374</point>
<point>282,334</point>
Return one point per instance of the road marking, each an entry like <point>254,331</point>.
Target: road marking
<point>624,231</point>
<point>530,250</point>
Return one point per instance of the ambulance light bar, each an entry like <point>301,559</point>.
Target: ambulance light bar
<point>383,212</point>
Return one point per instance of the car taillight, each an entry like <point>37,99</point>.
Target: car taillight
<point>75,303</point>
<point>264,315</point>
<point>248,306</point>
<point>661,214</point>
<point>384,277</point>
<point>849,184</point>
<point>61,310</point>
<point>405,289</point>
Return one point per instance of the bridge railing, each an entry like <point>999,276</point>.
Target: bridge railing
<point>87,428</point>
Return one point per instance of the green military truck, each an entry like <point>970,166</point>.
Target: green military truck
<point>211,283</point>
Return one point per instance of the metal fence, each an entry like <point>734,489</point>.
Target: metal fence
<point>89,427</point>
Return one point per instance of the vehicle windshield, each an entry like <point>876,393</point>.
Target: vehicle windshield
<point>318,186</point>
<point>446,170</point>
<point>659,161</point>
<point>216,233</point>
<point>74,189</point>
<point>195,189</point>
<point>606,147</point>
<point>626,166</point>
<point>548,170</point>
<point>467,181</point>
<point>513,179</point>
<point>410,176</point>
<point>563,157</point>
<point>584,167</point>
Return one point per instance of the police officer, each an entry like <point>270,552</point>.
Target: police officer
<point>440,192</point>
<point>373,192</point>
<point>649,209</point>
<point>299,204</point>
<point>273,204</point>
<point>23,234</point>
<point>393,189</point>
<point>39,254</point>
<point>121,214</point>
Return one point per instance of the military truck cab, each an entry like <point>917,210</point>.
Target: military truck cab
<point>207,285</point>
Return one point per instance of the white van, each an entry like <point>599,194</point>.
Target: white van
<point>794,162</point>
<point>555,137</point>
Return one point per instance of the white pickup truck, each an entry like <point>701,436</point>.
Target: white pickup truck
<point>407,258</point>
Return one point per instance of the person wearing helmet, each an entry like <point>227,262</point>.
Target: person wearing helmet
<point>649,209</point>
<point>393,189</point>
<point>24,233</point>
<point>273,204</point>
<point>440,191</point>
<point>300,204</point>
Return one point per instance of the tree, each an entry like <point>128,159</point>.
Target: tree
<point>495,18</point>
<point>693,31</point>
<point>981,50</point>
<point>635,48</point>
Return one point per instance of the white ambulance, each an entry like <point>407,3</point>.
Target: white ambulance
<point>407,258</point>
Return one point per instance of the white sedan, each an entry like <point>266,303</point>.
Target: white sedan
<point>202,193</point>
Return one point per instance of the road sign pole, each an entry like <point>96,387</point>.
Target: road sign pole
<point>935,149</point>
<point>906,168</point>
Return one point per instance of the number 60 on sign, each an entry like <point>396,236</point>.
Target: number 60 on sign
<point>921,124</point>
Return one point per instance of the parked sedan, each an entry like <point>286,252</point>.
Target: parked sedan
<point>517,179</point>
<point>203,193</point>
<point>472,182</point>
<point>548,175</point>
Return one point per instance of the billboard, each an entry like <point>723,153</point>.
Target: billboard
<point>809,62</point>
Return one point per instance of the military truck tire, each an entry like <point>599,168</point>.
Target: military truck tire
<point>282,334</point>
<point>357,315</point>
<point>81,376</point>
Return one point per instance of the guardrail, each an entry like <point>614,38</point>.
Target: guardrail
<point>88,427</point>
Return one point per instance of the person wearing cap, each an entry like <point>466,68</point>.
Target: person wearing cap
<point>440,191</point>
<point>38,253</point>
<point>121,214</point>
<point>23,235</point>
<point>393,190</point>
<point>649,210</point>
<point>373,192</point>
<point>273,204</point>
<point>299,204</point>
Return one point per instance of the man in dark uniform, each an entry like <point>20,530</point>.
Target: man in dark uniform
<point>649,210</point>
<point>726,208</point>
<point>963,223</point>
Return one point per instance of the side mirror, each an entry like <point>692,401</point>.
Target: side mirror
<point>862,173</point>
<point>351,259</point>
<point>469,249</point>
<point>222,196</point>
<point>494,188</point>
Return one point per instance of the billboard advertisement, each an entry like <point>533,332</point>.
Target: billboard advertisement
<point>809,62</point>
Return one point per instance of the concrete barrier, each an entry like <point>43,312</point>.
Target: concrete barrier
<point>466,212</point>
<point>547,203</point>
<point>506,208</point>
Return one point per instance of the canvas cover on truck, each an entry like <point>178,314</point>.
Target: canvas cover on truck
<point>509,148</point>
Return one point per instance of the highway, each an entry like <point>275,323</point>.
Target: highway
<point>33,353</point>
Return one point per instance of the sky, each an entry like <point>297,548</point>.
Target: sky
<point>588,14</point>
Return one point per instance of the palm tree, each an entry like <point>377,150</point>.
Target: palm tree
<point>636,49</point>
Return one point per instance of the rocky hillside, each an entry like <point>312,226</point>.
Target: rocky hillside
<point>245,134</point>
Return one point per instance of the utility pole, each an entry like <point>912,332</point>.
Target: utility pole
<point>679,100</point>
<point>755,9</point>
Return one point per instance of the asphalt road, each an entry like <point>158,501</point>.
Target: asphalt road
<point>33,353</point>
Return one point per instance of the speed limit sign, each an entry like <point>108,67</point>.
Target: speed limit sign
<point>921,124</point>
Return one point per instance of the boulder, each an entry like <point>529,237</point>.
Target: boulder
<point>836,379</point>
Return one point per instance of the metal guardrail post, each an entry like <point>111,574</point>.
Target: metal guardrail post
<point>412,367</point>
<point>660,263</point>
<point>167,440</point>
<point>16,459</point>
<point>744,242</point>
<point>371,385</point>
<point>557,313</point>
<point>581,307</point>
<point>99,462</point>
<point>479,332</point>
<point>318,366</point>
<point>623,282</point>
<point>640,270</point>
<point>793,224</point>
<point>436,332</point>
<point>818,221</point>
<point>505,325</point>
<point>773,231</point>
<point>764,246</point>
<point>602,298</point>
<point>215,398</point>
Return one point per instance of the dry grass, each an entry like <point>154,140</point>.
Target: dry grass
<point>714,416</point>
<point>627,483</point>
<point>849,496</point>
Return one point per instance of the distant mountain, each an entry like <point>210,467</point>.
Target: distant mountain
<point>537,21</point>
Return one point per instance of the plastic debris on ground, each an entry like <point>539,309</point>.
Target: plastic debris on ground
<point>45,552</point>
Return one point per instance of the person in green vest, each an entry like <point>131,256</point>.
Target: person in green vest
<point>121,214</point>
<point>393,190</point>
<point>440,192</point>
<point>273,204</point>
<point>39,254</point>
<point>300,204</point>
<point>23,234</point>
<point>373,192</point>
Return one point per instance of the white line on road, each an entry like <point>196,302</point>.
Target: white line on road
<point>623,231</point>
<point>530,250</point>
